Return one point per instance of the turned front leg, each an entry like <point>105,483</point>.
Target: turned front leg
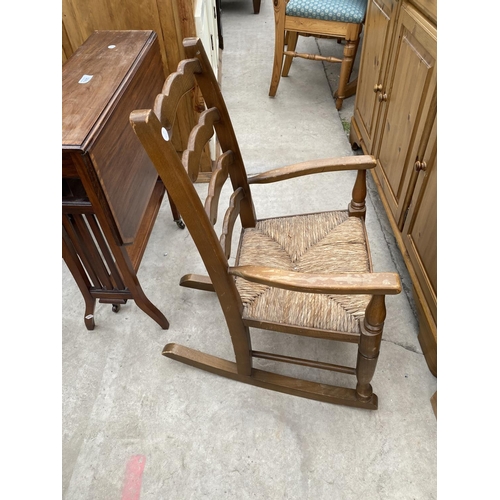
<point>369,346</point>
<point>357,207</point>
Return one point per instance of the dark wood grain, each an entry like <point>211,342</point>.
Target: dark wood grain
<point>107,175</point>
<point>95,120</point>
<point>86,106</point>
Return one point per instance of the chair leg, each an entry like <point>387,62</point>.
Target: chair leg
<point>356,42</point>
<point>256,6</point>
<point>292,44</point>
<point>369,347</point>
<point>279,47</point>
<point>175,213</point>
<point>345,71</point>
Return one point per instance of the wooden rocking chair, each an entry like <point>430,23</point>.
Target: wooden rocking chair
<point>308,275</point>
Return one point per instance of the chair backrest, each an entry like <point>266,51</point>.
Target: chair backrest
<point>178,171</point>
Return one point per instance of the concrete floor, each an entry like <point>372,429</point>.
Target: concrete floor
<point>133,419</point>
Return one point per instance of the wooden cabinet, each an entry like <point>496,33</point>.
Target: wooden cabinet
<point>419,238</point>
<point>111,192</point>
<point>395,120</point>
<point>407,95</point>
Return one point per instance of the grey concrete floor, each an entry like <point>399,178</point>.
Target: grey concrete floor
<point>130,414</point>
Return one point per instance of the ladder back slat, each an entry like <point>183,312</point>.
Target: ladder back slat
<point>212,95</point>
<point>229,219</point>
<point>175,87</point>
<point>217,181</point>
<point>198,139</point>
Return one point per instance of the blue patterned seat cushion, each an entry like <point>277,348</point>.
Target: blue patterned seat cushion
<point>347,11</point>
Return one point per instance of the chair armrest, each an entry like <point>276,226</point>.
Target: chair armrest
<point>339,283</point>
<point>360,162</point>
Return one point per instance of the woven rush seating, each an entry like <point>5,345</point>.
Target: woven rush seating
<point>328,242</point>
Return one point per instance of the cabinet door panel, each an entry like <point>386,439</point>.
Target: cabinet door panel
<point>420,229</point>
<point>375,52</point>
<point>412,73</point>
<point>427,7</point>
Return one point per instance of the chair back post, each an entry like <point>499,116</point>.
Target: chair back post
<point>280,42</point>
<point>173,174</point>
<point>224,128</point>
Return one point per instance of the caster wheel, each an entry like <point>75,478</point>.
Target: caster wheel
<point>180,224</point>
<point>116,308</point>
<point>354,146</point>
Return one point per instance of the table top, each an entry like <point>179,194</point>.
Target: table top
<point>92,81</point>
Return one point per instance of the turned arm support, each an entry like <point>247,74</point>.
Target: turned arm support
<point>339,283</point>
<point>360,162</point>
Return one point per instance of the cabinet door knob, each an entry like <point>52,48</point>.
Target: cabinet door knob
<point>382,97</point>
<point>420,165</point>
<point>377,88</point>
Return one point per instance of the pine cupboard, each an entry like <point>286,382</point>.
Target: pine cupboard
<point>111,193</point>
<point>395,119</point>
